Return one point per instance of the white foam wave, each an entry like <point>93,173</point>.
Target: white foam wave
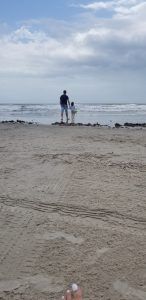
<point>42,108</point>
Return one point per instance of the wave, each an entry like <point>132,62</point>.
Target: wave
<point>45,108</point>
<point>113,107</point>
<point>28,109</point>
<point>87,112</point>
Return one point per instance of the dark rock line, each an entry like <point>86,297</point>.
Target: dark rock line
<point>116,125</point>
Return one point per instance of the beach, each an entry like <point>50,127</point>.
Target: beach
<point>72,209</point>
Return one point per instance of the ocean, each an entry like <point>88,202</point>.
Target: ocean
<point>104,114</point>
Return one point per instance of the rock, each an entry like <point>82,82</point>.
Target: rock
<point>17,122</point>
<point>20,121</point>
<point>56,123</point>
<point>11,121</point>
<point>96,124</point>
<point>134,124</point>
<point>117,125</point>
<point>80,124</point>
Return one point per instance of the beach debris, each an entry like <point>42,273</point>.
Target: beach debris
<point>134,124</point>
<point>117,125</point>
<point>76,124</point>
<point>17,122</point>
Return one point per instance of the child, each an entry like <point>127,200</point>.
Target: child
<point>73,112</point>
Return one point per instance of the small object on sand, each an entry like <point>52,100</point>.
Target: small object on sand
<point>74,292</point>
<point>74,287</point>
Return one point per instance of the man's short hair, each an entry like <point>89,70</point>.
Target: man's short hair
<point>64,92</point>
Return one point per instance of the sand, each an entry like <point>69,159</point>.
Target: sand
<point>72,209</point>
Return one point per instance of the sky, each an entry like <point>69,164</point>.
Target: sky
<point>96,50</point>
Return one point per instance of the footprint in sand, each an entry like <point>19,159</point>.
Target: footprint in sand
<point>92,258</point>
<point>59,235</point>
<point>38,282</point>
<point>9,285</point>
<point>124,289</point>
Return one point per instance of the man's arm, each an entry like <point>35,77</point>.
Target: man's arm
<point>68,101</point>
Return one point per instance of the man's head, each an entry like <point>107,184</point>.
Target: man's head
<point>64,92</point>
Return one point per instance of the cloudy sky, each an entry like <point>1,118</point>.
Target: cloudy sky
<point>94,49</point>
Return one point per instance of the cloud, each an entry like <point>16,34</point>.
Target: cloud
<point>98,5</point>
<point>29,53</point>
<point>123,5</point>
<point>86,46</point>
<point>131,11</point>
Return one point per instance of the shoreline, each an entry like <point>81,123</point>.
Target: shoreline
<point>116,125</point>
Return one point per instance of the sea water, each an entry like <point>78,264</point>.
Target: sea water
<point>104,114</point>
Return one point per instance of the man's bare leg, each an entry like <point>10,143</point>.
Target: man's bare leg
<point>61,116</point>
<point>66,112</point>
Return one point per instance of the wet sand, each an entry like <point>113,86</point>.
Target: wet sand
<point>72,209</point>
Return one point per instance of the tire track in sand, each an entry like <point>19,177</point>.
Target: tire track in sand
<point>18,250</point>
<point>106,215</point>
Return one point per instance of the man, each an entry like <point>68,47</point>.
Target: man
<point>64,102</point>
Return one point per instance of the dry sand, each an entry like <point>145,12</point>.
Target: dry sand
<point>72,209</point>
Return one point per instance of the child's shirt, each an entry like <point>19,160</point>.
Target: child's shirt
<point>73,109</point>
